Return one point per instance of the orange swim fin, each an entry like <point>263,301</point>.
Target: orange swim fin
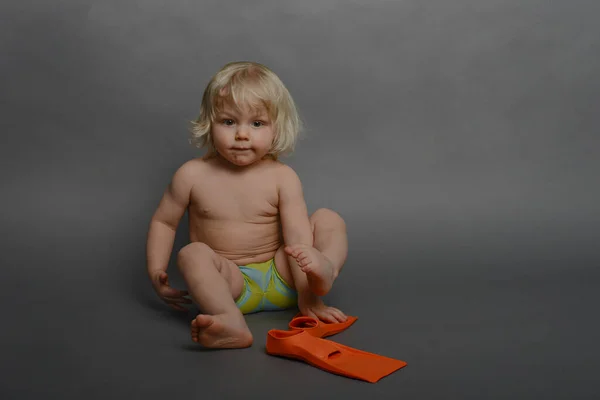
<point>330,356</point>
<point>319,328</point>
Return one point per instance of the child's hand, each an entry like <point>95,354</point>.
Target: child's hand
<point>312,306</point>
<point>173,297</point>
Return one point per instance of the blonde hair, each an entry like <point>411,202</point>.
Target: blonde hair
<point>245,83</point>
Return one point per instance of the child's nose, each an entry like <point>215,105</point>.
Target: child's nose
<point>242,132</point>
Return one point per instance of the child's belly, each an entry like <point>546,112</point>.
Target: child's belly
<point>241,242</point>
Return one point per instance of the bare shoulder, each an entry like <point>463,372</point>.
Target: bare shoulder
<point>189,170</point>
<point>185,177</point>
<point>288,180</point>
<point>177,195</point>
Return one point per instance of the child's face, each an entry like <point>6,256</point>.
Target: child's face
<point>242,138</point>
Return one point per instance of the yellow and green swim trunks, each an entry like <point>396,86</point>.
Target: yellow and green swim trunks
<point>264,289</point>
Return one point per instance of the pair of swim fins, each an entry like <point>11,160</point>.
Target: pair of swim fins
<point>304,341</point>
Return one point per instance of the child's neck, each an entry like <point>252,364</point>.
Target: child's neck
<point>240,168</point>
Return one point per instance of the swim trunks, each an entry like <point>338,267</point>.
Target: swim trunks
<point>264,289</point>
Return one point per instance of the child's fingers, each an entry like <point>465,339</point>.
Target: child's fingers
<point>177,307</point>
<point>163,278</point>
<point>178,300</point>
<point>171,292</point>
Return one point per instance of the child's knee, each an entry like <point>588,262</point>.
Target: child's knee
<point>192,253</point>
<point>324,217</point>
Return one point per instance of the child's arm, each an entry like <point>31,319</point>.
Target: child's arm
<point>295,222</point>
<point>164,222</point>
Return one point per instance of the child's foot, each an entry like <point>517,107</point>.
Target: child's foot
<point>318,269</point>
<point>222,331</point>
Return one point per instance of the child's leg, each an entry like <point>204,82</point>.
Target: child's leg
<point>213,283</point>
<point>325,259</point>
<point>330,237</point>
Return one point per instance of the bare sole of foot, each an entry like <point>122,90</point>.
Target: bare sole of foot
<point>318,269</point>
<point>221,331</point>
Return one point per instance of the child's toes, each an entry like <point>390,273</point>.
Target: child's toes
<point>307,269</point>
<point>292,251</point>
<point>305,261</point>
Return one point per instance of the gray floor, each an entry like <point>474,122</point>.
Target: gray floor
<point>489,312</point>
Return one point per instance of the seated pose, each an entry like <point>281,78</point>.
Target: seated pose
<point>253,247</point>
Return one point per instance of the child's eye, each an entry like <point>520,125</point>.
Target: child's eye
<point>227,121</point>
<point>258,124</point>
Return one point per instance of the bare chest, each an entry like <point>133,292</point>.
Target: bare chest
<point>239,199</point>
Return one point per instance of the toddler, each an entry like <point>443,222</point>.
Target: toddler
<point>253,247</point>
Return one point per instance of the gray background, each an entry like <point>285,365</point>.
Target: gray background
<point>459,140</point>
